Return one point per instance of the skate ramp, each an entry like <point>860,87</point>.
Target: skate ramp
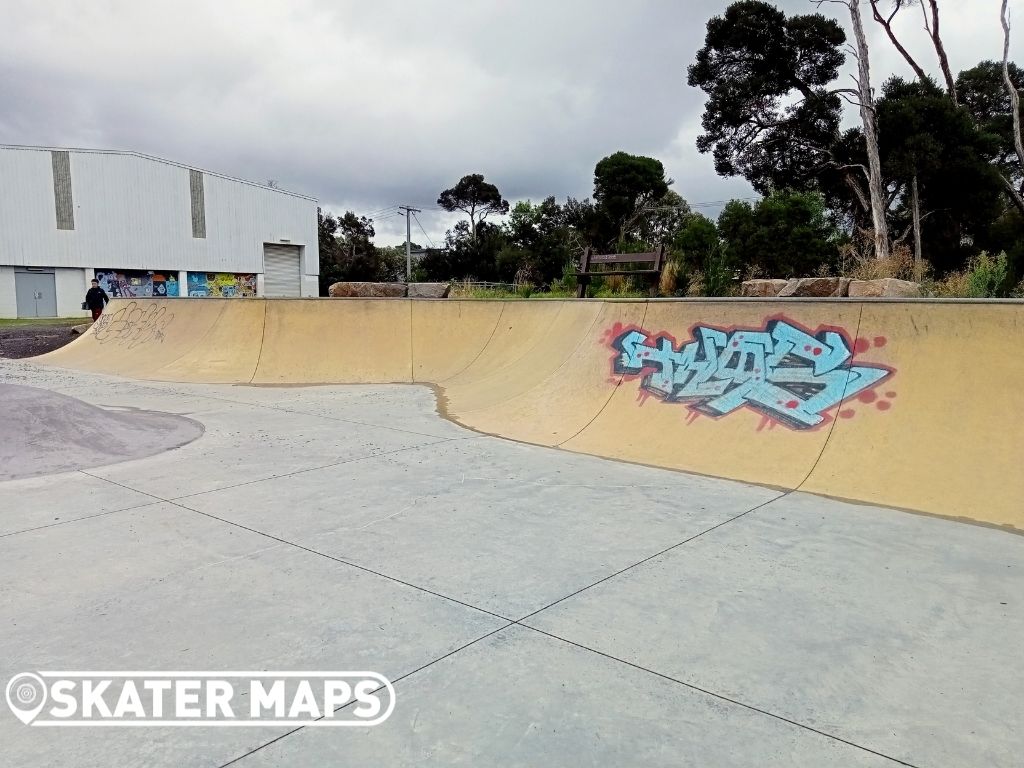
<point>46,432</point>
<point>912,404</point>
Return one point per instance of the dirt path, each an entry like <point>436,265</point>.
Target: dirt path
<point>35,339</point>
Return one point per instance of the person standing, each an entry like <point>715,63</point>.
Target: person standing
<point>96,299</point>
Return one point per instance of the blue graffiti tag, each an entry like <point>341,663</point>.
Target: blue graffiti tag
<point>781,371</point>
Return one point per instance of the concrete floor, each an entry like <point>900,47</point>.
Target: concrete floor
<point>532,607</point>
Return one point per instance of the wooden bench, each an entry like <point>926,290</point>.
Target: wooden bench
<point>655,258</point>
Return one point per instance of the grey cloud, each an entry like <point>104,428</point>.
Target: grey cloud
<point>368,104</point>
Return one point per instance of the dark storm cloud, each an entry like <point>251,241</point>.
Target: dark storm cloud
<point>368,104</point>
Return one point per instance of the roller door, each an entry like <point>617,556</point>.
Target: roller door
<point>282,270</point>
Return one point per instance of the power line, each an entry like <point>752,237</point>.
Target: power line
<point>396,210</point>
<point>382,211</point>
<point>724,202</point>
<point>409,211</point>
<point>423,231</point>
<point>706,204</point>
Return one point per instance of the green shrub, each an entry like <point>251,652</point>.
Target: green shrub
<point>525,291</point>
<point>617,287</point>
<point>560,290</point>
<point>986,277</point>
<point>718,278</point>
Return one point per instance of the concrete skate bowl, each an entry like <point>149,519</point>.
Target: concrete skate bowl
<point>909,404</point>
<point>46,432</point>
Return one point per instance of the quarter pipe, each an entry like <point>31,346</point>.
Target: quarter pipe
<point>910,404</point>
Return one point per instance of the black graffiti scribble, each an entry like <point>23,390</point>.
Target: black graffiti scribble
<point>133,325</point>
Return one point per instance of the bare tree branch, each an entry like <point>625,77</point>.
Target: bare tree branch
<point>1010,87</point>
<point>851,101</point>
<point>857,189</point>
<point>886,23</point>
<point>910,227</point>
<point>1014,193</point>
<point>940,49</point>
<point>867,113</point>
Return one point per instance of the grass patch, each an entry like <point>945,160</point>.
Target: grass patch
<point>27,322</point>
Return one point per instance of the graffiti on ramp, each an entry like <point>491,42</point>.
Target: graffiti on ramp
<point>781,370</point>
<point>133,325</point>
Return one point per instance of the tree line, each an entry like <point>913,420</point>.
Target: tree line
<point>934,165</point>
<point>935,168</point>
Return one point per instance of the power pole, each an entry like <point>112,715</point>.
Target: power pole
<point>408,240</point>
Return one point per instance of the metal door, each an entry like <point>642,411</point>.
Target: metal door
<point>282,270</point>
<point>36,294</point>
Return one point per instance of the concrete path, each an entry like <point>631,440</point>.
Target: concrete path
<point>532,606</point>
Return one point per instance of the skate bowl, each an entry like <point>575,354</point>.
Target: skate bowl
<point>913,404</point>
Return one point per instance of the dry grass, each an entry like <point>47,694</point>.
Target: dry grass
<point>857,260</point>
<point>668,282</point>
<point>615,284</point>
<point>955,285</point>
<point>986,276</point>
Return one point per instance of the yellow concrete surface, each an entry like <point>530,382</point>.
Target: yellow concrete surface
<point>135,337</point>
<point>227,352</point>
<point>941,434</point>
<point>437,358</point>
<point>308,341</point>
<point>530,343</point>
<point>952,439</point>
<point>653,432</point>
<point>557,406</point>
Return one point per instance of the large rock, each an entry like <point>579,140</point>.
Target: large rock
<point>762,289</point>
<point>888,287</point>
<point>429,290</point>
<point>77,330</point>
<point>367,290</point>
<point>815,287</point>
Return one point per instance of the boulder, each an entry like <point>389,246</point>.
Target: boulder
<point>762,288</point>
<point>367,290</point>
<point>815,287</point>
<point>77,330</point>
<point>888,287</point>
<point>428,290</point>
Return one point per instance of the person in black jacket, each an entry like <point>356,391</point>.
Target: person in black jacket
<point>95,299</point>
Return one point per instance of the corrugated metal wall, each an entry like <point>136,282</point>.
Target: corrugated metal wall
<point>133,212</point>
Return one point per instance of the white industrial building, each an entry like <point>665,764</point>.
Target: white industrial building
<point>144,227</point>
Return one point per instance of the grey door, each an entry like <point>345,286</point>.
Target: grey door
<point>282,270</point>
<point>36,294</point>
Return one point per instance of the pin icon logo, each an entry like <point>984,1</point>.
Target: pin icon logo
<point>26,696</point>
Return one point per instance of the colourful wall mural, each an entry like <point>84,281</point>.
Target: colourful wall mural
<point>781,370</point>
<point>135,283</point>
<point>221,284</point>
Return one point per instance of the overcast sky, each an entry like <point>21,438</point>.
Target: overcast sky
<point>367,104</point>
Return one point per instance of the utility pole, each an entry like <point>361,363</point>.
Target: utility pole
<point>408,240</point>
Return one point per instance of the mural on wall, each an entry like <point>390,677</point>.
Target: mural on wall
<point>136,284</point>
<point>227,285</point>
<point>134,324</point>
<point>781,370</point>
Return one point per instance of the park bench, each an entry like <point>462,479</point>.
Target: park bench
<point>589,260</point>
